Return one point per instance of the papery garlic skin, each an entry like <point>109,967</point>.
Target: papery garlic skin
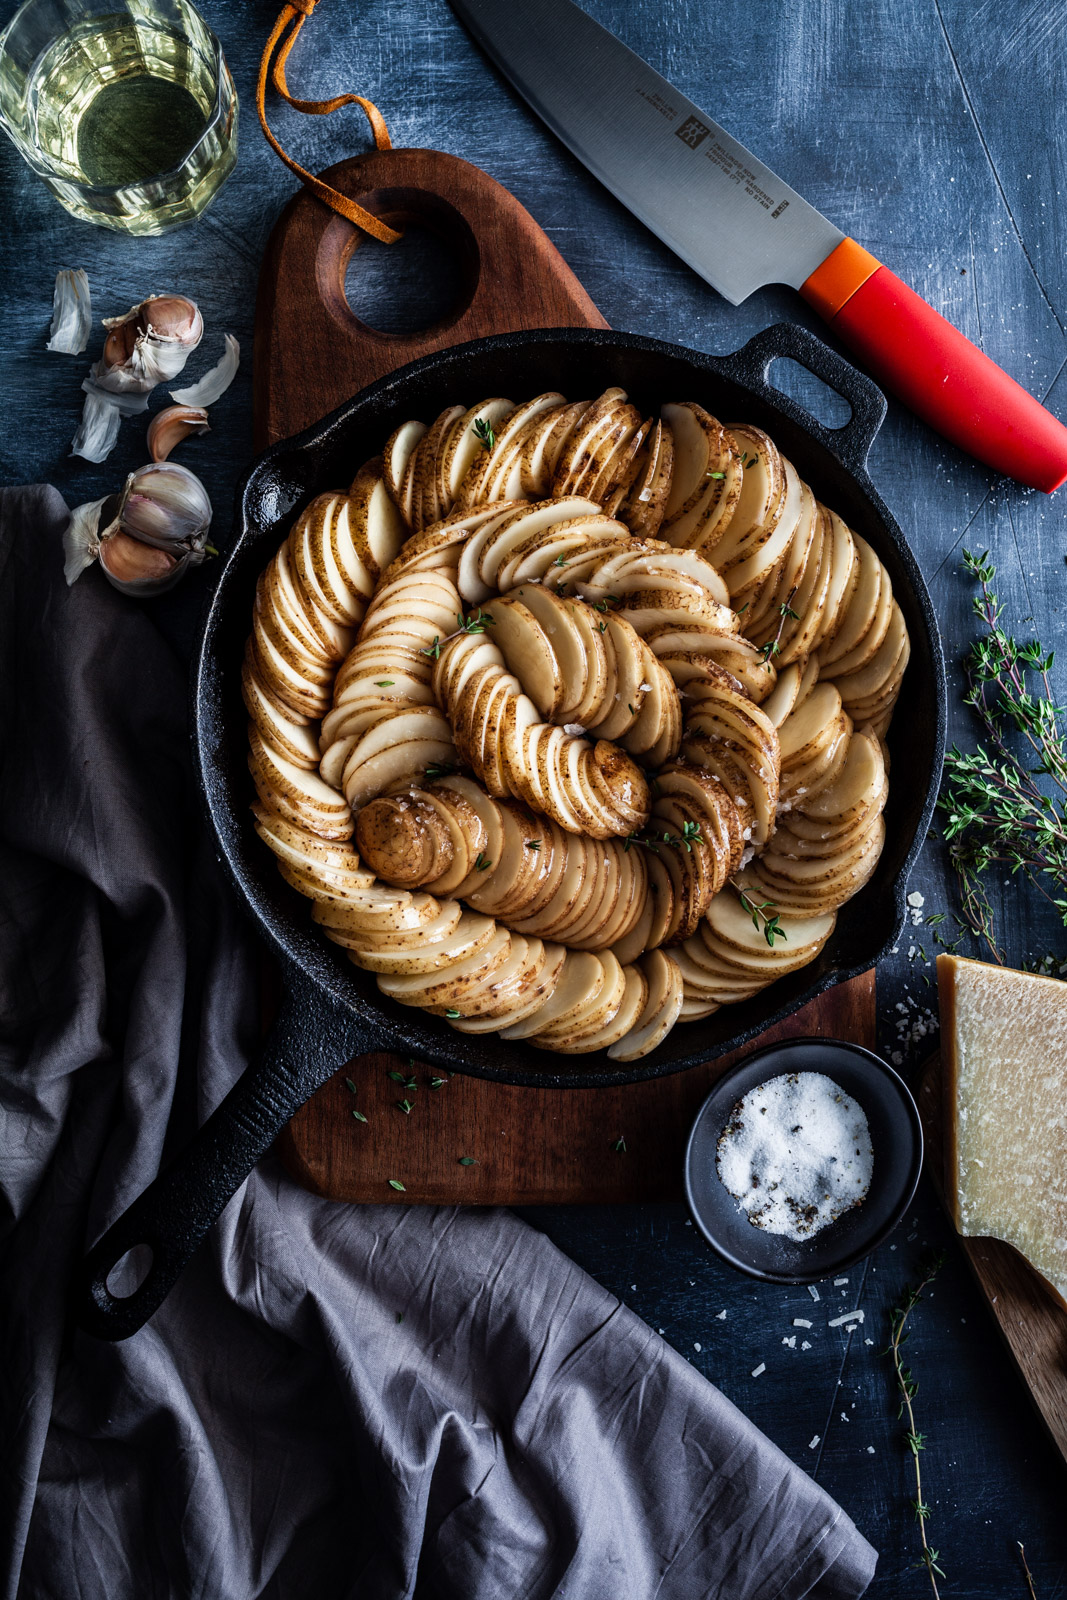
<point>213,385</point>
<point>166,505</point>
<point>98,430</point>
<point>168,428</point>
<point>72,312</point>
<point>81,542</point>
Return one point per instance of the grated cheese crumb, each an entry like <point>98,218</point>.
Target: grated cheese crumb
<point>815,1295</point>
<point>846,1316</point>
<point>721,1317</point>
<point>757,1371</point>
<point>814,1442</point>
<point>790,1341</point>
<point>805,1344</point>
<point>801,1322</point>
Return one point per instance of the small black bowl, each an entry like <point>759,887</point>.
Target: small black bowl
<point>896,1142</point>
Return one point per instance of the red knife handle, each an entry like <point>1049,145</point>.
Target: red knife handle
<point>938,374</point>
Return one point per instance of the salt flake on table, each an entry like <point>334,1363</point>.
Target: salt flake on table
<point>721,1317</point>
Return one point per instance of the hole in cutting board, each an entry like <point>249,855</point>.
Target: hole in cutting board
<point>817,398</point>
<point>406,287</point>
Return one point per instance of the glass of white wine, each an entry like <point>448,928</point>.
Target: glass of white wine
<point>126,108</point>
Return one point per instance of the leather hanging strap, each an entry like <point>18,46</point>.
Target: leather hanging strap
<point>283,36</point>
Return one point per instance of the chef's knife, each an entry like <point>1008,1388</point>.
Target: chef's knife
<point>740,227</point>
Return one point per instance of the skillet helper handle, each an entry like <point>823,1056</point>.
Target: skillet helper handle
<point>934,370</point>
<point>310,1041</point>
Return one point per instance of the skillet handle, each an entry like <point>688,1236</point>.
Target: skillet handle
<point>851,443</point>
<point>175,1212</point>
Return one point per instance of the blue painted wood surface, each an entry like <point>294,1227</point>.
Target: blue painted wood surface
<point>930,129</point>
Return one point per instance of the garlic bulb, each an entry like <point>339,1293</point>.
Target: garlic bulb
<point>149,345</point>
<point>165,505</point>
<point>152,533</point>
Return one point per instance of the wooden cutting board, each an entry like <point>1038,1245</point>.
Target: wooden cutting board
<point>311,354</point>
<point>1031,1320</point>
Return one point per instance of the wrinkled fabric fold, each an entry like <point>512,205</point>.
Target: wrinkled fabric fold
<point>335,1400</point>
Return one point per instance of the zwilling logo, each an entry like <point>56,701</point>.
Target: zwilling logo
<point>692,132</point>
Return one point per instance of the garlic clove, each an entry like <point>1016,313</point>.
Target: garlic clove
<point>172,316</point>
<point>130,561</point>
<point>138,569</point>
<point>166,505</point>
<point>118,346</point>
<point>168,428</point>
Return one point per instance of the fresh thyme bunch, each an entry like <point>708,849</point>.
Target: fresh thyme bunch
<point>1004,805</point>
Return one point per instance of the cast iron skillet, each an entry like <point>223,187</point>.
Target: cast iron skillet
<point>331,1012</point>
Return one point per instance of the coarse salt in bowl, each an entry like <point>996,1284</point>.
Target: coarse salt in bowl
<point>807,1105</point>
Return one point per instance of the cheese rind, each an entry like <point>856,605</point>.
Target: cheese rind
<point>1004,1055</point>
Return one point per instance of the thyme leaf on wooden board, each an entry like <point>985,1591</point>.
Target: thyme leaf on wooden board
<point>907,1388</point>
<point>1004,804</point>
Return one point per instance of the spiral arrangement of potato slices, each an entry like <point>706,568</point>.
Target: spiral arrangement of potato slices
<point>667,669</point>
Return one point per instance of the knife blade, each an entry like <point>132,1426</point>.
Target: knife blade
<point>738,225</point>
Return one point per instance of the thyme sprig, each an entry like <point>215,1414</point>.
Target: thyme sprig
<point>766,918</point>
<point>477,622</point>
<point>907,1388</point>
<point>484,429</point>
<point>773,646</point>
<point>689,836</point>
<point>1026,1571</point>
<point>995,800</point>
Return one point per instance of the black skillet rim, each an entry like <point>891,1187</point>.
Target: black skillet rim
<point>322,968</point>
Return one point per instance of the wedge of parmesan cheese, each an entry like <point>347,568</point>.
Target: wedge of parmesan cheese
<point>1004,1050</point>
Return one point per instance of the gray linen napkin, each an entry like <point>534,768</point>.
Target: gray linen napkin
<point>335,1400</point>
